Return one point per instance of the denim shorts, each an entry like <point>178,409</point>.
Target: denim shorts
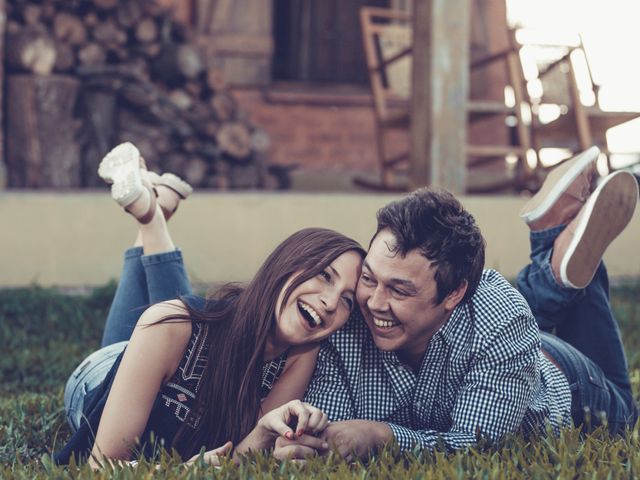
<point>89,374</point>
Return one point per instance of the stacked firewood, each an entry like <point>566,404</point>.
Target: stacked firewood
<point>140,78</point>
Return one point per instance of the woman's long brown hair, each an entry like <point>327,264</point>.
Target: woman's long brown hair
<point>228,400</point>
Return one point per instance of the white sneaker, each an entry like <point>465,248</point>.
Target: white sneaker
<point>577,251</point>
<point>563,192</point>
<point>121,168</point>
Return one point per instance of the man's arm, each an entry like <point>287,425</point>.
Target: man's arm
<point>492,401</point>
<point>495,394</point>
<point>329,391</point>
<point>329,388</point>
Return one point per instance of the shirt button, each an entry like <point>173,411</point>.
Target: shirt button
<point>418,404</point>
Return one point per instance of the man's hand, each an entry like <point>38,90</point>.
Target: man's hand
<point>291,420</point>
<point>351,438</point>
<point>301,447</point>
<point>356,438</point>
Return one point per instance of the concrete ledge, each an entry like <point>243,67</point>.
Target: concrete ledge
<point>70,239</point>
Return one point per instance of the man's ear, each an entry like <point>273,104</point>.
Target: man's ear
<point>452,300</point>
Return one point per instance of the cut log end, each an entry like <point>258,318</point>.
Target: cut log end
<point>31,51</point>
<point>142,77</point>
<point>69,28</point>
<point>234,139</point>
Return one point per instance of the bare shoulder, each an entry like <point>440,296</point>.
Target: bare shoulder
<point>169,319</point>
<point>161,338</point>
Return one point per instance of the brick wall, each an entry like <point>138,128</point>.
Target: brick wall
<point>338,136</point>
<point>320,137</point>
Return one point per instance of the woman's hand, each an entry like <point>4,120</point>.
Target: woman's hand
<point>294,418</point>
<point>212,457</point>
<point>291,420</point>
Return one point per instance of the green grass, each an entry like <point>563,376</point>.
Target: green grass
<point>45,334</point>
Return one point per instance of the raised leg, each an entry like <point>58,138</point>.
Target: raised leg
<point>567,288</point>
<point>153,270</point>
<point>581,317</point>
<point>566,283</point>
<point>129,301</point>
<point>166,276</point>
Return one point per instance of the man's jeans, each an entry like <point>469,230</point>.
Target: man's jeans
<point>587,344</point>
<point>145,280</point>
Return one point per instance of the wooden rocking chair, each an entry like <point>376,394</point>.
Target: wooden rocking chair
<point>561,69</point>
<point>387,36</point>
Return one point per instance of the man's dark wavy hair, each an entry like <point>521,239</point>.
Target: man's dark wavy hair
<point>434,222</point>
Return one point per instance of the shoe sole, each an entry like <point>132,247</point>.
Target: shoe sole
<point>557,181</point>
<point>121,168</point>
<point>607,212</point>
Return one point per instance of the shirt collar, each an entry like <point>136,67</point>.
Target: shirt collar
<point>446,333</point>
<point>448,330</point>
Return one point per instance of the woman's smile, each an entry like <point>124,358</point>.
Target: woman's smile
<point>320,305</point>
<point>309,314</point>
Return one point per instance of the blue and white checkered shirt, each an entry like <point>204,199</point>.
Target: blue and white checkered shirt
<point>483,374</point>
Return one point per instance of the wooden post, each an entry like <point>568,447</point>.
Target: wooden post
<point>3,24</point>
<point>239,40</point>
<point>42,150</point>
<point>439,96</point>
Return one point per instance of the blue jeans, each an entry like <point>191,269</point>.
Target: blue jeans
<point>587,345</point>
<point>145,280</point>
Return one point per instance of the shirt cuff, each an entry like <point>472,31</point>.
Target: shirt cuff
<point>406,438</point>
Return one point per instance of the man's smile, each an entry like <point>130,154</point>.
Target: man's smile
<point>383,323</point>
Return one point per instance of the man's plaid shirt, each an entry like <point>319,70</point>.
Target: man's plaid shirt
<point>483,373</point>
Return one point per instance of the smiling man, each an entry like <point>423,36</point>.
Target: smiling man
<point>444,352</point>
<point>400,300</point>
<point>447,352</point>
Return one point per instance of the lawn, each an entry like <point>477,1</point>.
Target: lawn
<point>44,334</point>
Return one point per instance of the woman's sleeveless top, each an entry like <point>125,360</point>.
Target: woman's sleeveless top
<point>174,404</point>
<point>178,395</point>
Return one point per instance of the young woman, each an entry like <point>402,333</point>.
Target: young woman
<point>199,373</point>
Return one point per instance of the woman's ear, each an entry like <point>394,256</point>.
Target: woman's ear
<point>454,298</point>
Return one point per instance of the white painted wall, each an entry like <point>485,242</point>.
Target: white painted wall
<point>77,238</point>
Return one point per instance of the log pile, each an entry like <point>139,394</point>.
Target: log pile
<point>140,78</point>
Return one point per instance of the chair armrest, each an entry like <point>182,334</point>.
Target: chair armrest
<point>393,58</point>
<point>555,64</point>
<point>385,13</point>
<point>484,61</point>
